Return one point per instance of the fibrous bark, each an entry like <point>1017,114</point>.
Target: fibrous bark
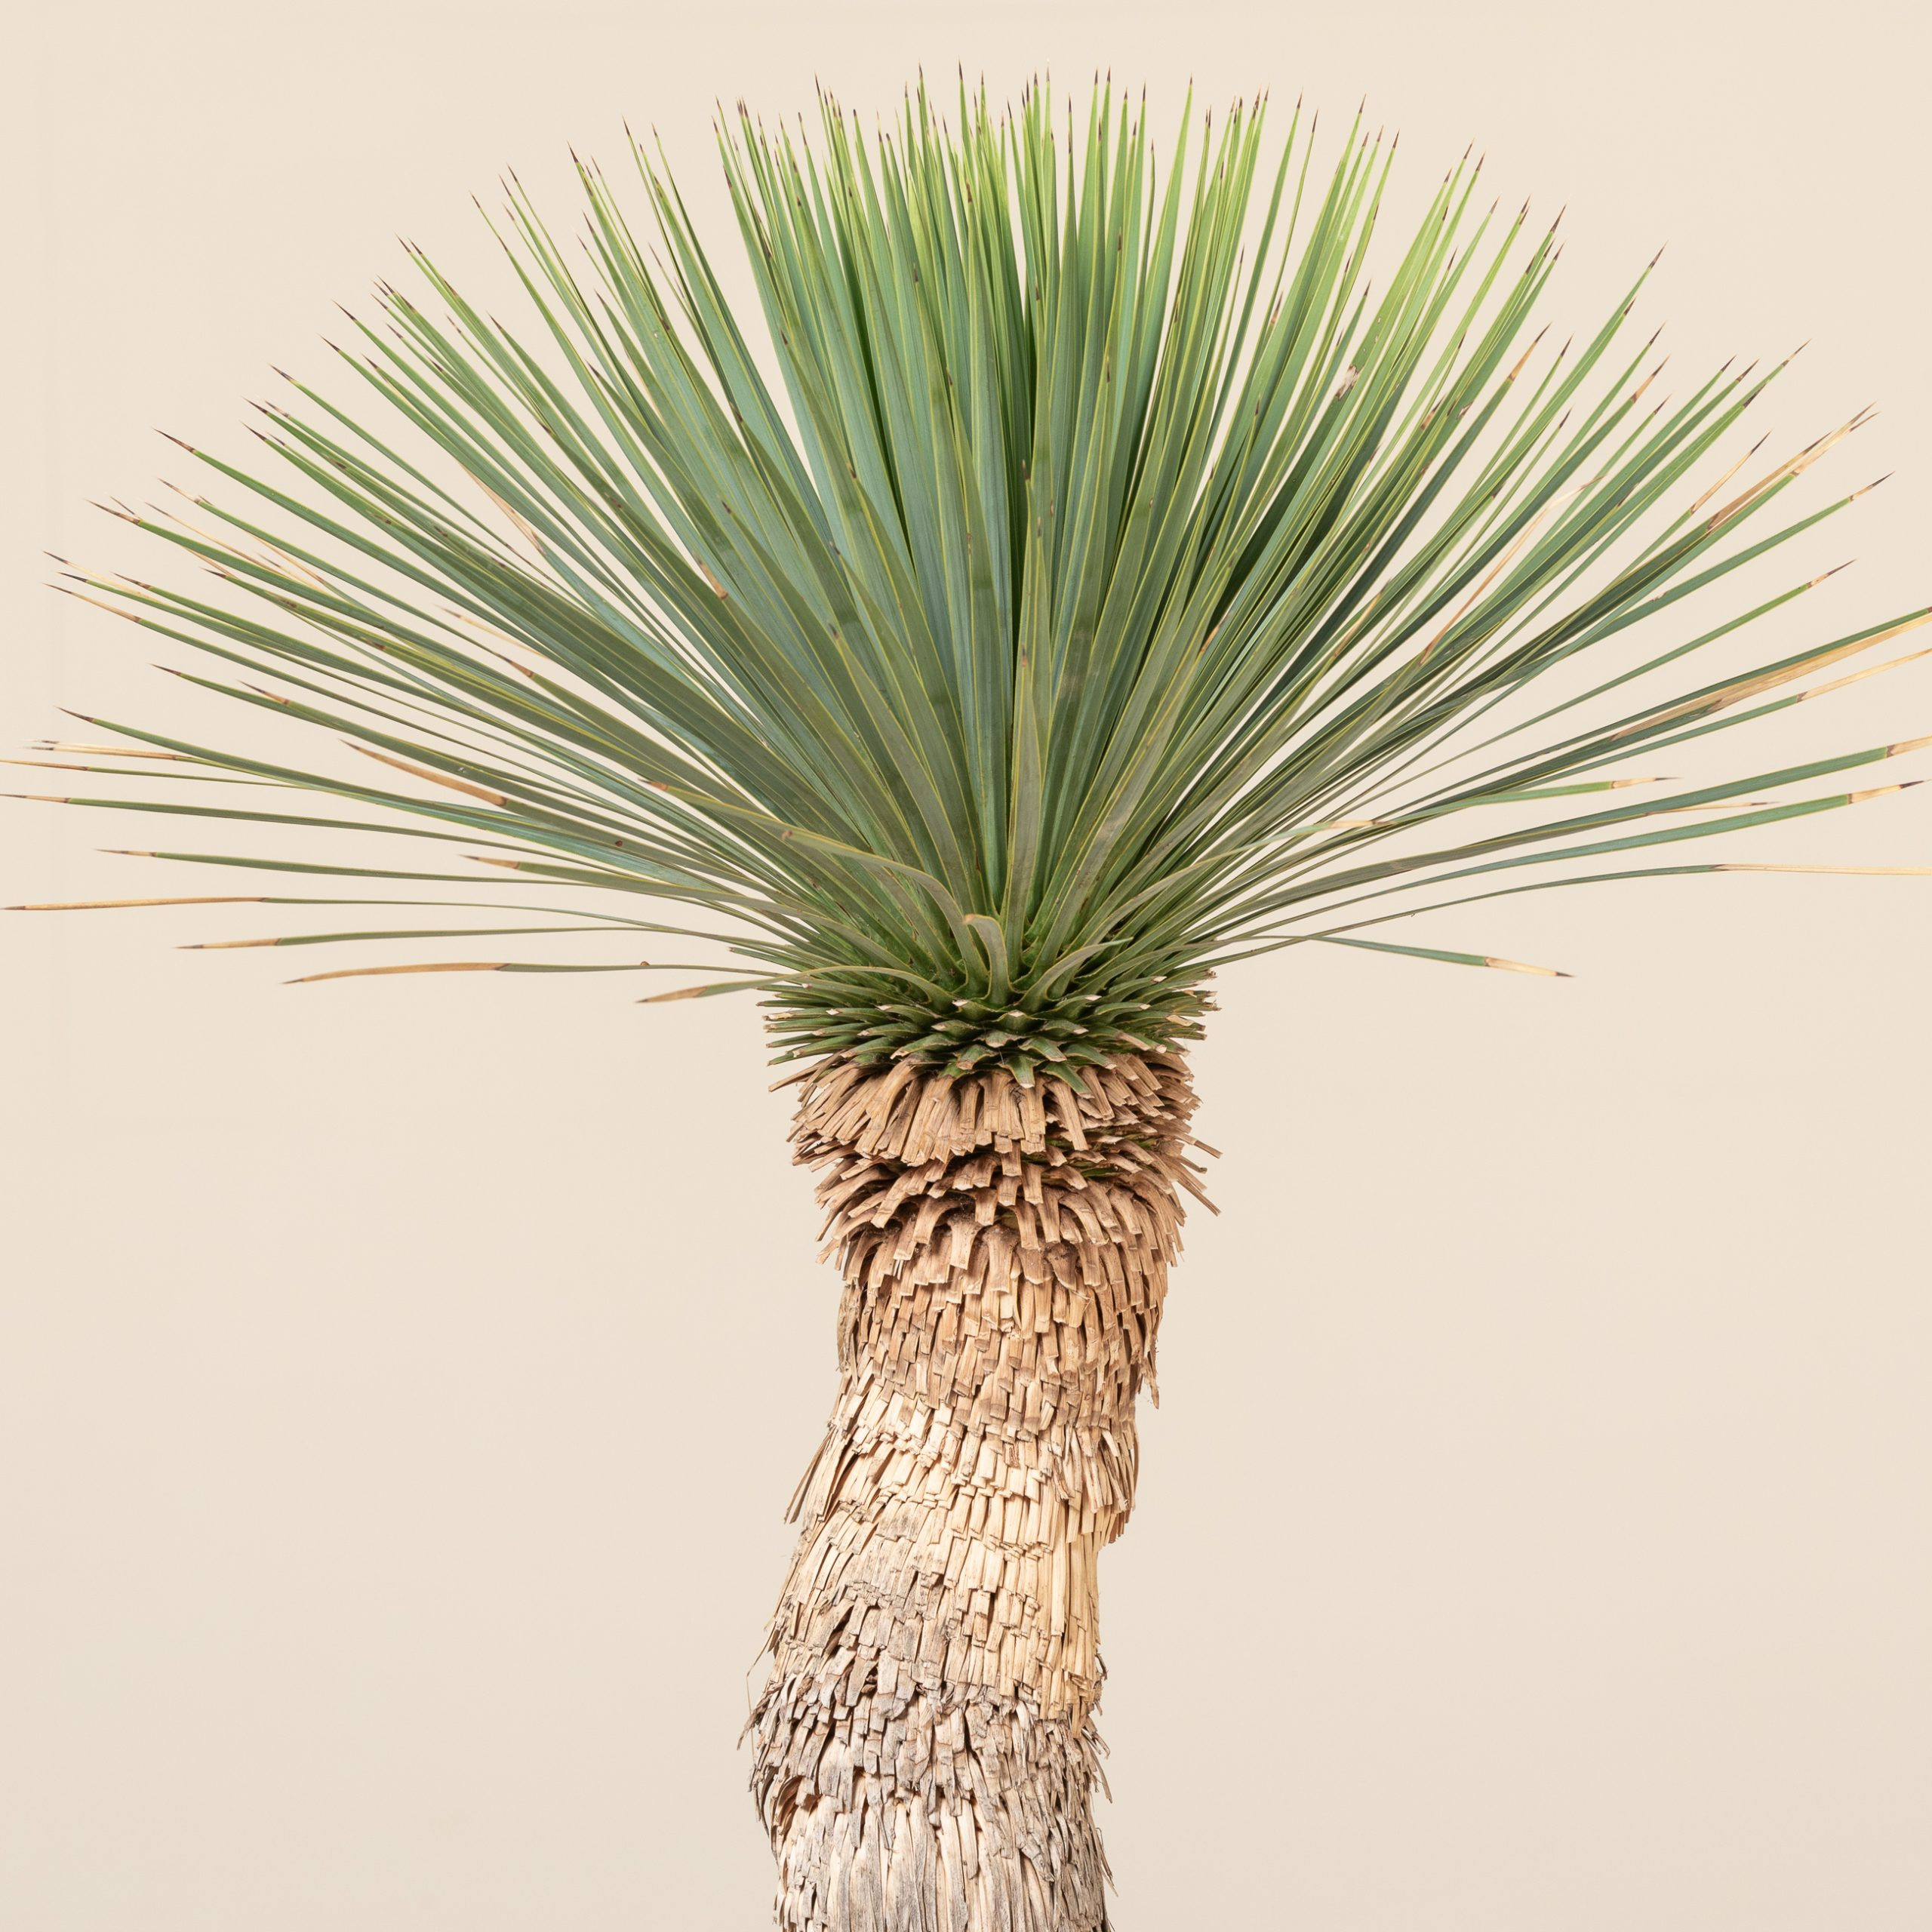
<point>925,1752</point>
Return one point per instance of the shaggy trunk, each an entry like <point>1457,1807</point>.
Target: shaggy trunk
<point>925,1749</point>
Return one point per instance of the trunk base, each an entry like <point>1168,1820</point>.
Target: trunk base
<point>927,1814</point>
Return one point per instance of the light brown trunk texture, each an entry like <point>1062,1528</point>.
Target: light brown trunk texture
<point>925,1753</point>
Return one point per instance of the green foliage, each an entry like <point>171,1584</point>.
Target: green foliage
<point>1117,586</point>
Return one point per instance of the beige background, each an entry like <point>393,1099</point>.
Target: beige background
<point>397,1407</point>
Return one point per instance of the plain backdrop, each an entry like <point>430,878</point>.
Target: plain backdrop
<point>400,1381</point>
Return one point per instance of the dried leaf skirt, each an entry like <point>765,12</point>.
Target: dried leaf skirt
<point>925,1753</point>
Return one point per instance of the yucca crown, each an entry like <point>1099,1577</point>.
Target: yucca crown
<point>1110,585</point>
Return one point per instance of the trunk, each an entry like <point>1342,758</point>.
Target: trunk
<point>925,1753</point>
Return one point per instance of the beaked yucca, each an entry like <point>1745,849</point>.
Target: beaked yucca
<point>1089,580</point>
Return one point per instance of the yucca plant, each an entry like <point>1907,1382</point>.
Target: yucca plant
<point>1089,581</point>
